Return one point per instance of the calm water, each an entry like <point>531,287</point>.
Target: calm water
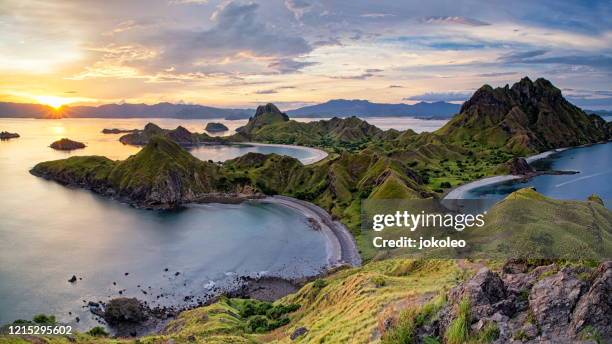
<point>49,232</point>
<point>594,164</point>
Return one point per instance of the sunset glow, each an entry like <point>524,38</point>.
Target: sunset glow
<point>55,102</point>
<point>239,53</point>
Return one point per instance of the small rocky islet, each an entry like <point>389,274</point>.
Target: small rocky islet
<point>215,127</point>
<point>67,145</point>
<point>5,135</point>
<point>118,131</point>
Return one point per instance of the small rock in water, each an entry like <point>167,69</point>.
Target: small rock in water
<point>114,283</point>
<point>166,269</point>
<point>177,273</point>
<point>72,279</point>
<point>127,273</point>
<point>120,292</point>
<point>77,319</point>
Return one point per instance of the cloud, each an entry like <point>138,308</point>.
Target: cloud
<point>287,65</point>
<point>298,8</point>
<point>496,74</point>
<point>514,57</point>
<point>600,61</point>
<point>448,20</point>
<point>395,86</point>
<point>441,96</point>
<point>239,41</point>
<point>271,91</point>
<point>377,15</point>
<point>181,2</point>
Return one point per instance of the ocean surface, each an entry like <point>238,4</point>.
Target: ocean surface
<point>49,232</point>
<point>594,164</point>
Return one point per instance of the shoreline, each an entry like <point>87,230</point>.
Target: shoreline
<point>460,191</point>
<point>340,244</point>
<point>318,154</point>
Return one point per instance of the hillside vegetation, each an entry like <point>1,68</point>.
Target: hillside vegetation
<point>396,300</point>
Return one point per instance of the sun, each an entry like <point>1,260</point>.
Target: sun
<point>53,101</point>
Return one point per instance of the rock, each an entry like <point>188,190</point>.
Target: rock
<point>300,331</point>
<point>515,266</point>
<point>5,135</point>
<point>179,135</point>
<point>67,144</point>
<point>72,279</point>
<point>125,310</point>
<point>522,282</point>
<point>118,131</point>
<point>552,300</point>
<point>594,309</point>
<point>595,198</point>
<point>486,292</point>
<point>518,166</point>
<point>215,127</point>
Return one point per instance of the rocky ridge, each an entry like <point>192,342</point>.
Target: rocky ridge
<point>529,303</point>
<point>530,116</point>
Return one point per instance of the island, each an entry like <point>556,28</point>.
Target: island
<point>5,135</point>
<point>180,135</point>
<point>118,131</point>
<point>215,127</point>
<point>394,296</point>
<point>67,144</point>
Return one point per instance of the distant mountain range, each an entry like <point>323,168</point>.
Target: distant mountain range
<point>337,107</point>
<point>159,110</point>
<point>364,108</point>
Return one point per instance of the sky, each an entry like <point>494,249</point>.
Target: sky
<point>236,53</point>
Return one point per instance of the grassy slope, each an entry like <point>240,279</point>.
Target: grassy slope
<point>528,224</point>
<point>349,306</point>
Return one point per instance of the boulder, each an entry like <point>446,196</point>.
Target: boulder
<point>125,310</point>
<point>552,300</point>
<point>300,331</point>
<point>594,309</point>
<point>518,166</point>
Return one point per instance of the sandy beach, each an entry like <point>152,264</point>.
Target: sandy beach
<point>317,154</point>
<point>460,191</point>
<point>340,245</point>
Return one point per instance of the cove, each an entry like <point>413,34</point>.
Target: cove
<point>594,164</point>
<point>49,232</point>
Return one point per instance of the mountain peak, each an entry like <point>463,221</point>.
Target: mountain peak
<point>527,117</point>
<point>268,108</point>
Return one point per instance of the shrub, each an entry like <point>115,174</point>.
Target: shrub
<point>379,281</point>
<point>44,319</point>
<point>445,185</point>
<point>319,284</point>
<point>98,331</point>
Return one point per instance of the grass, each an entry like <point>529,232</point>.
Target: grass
<point>458,330</point>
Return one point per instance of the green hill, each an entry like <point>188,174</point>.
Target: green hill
<point>528,224</point>
<point>525,118</point>
<point>161,175</point>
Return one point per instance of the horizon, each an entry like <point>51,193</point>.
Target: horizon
<point>294,53</point>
